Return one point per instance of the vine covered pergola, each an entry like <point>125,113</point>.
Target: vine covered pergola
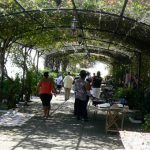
<point>116,31</point>
<point>118,26</point>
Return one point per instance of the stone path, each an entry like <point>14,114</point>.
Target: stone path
<point>60,132</point>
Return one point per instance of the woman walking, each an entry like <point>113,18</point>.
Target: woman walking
<point>81,98</point>
<point>46,89</point>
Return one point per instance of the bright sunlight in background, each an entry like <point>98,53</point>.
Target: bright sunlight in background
<point>13,70</point>
<point>103,68</point>
<point>98,66</point>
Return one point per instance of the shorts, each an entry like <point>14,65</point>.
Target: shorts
<point>46,98</point>
<point>59,86</point>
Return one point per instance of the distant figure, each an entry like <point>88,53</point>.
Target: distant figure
<point>59,82</point>
<point>88,77</point>
<point>134,81</point>
<point>88,89</point>
<point>88,80</point>
<point>46,88</point>
<point>96,84</point>
<point>68,80</point>
<point>93,76</point>
<point>120,83</point>
<point>81,96</point>
<point>75,78</point>
<point>127,79</point>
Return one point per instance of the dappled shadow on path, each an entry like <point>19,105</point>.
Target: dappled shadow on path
<point>61,131</point>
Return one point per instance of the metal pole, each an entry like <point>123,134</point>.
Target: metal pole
<point>139,69</point>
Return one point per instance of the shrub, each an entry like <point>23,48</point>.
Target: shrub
<point>146,125</point>
<point>11,91</point>
<point>132,96</point>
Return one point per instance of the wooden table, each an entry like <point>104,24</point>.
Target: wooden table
<point>115,119</point>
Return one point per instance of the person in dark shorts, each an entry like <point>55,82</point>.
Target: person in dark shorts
<point>46,89</point>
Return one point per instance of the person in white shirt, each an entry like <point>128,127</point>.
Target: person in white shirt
<point>68,80</point>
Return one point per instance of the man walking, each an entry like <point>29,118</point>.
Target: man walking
<point>68,80</point>
<point>96,84</point>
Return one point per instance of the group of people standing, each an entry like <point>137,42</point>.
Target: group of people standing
<point>82,89</point>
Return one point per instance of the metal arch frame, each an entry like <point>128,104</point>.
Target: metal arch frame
<point>103,58</point>
<point>89,11</point>
<point>106,58</point>
<point>27,13</point>
<point>92,49</point>
<point>69,48</point>
<point>113,55</point>
<point>120,17</point>
<point>96,49</point>
<point>79,47</point>
<point>78,10</point>
<point>66,27</point>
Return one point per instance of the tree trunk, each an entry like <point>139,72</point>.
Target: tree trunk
<point>65,63</point>
<point>24,73</point>
<point>2,60</point>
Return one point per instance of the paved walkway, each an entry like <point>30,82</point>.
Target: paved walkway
<point>60,132</point>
